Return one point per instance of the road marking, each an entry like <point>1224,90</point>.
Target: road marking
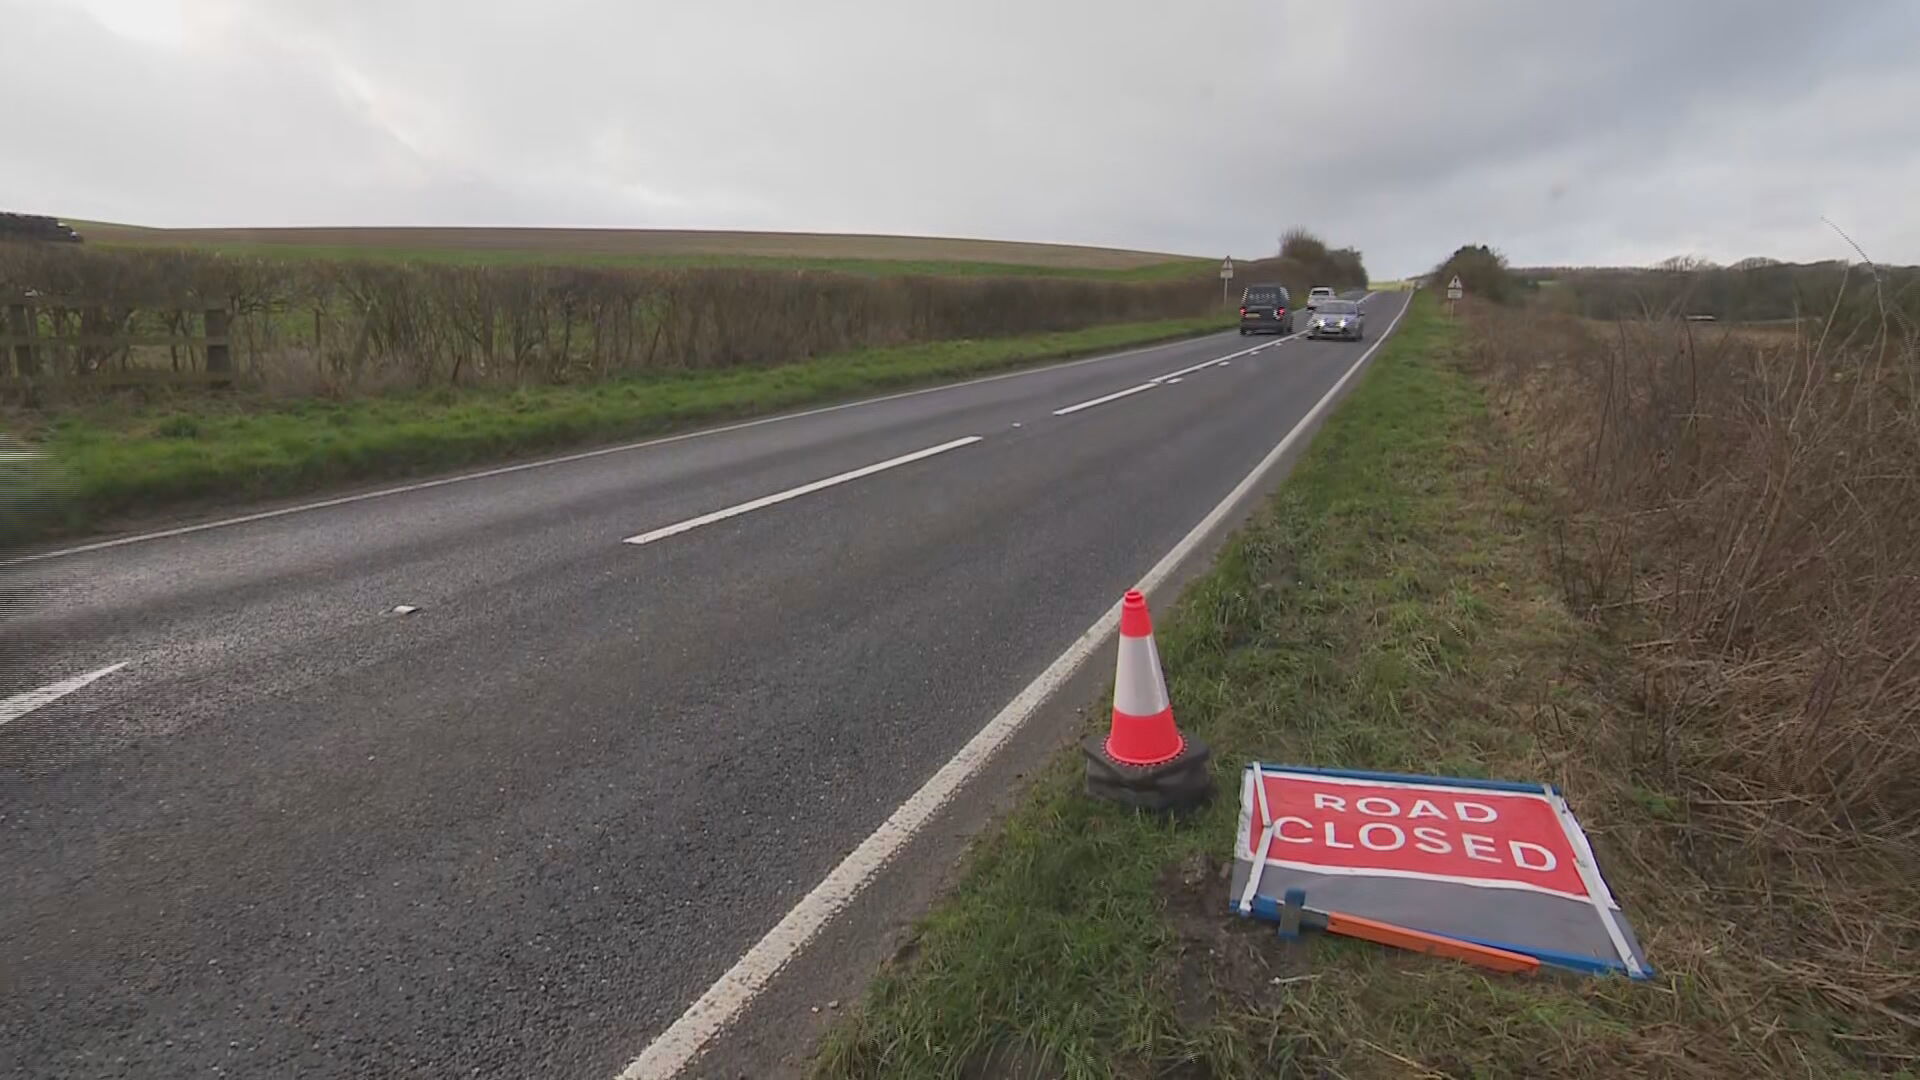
<point>503,470</point>
<point>20,705</point>
<point>793,493</point>
<point>1204,364</point>
<point>676,1047</point>
<point>1103,400</point>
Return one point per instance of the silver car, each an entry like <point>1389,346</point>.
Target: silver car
<point>1338,319</point>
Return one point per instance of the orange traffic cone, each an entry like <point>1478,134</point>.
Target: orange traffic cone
<point>1143,731</point>
<point>1144,760</point>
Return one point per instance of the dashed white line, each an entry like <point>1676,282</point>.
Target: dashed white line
<point>1172,376</point>
<point>793,493</point>
<point>676,1047</point>
<point>20,705</point>
<point>1128,392</point>
<point>1204,364</point>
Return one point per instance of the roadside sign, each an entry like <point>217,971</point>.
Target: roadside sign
<point>1454,291</point>
<point>1226,267</point>
<point>1496,864</point>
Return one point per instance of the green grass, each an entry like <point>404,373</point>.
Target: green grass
<point>1172,270</point>
<point>1388,610</point>
<point>118,459</point>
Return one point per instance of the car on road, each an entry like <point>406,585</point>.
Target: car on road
<point>1263,310</point>
<point>1318,295</point>
<point>1338,319</point>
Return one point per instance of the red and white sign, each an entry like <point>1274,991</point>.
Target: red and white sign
<point>1467,835</point>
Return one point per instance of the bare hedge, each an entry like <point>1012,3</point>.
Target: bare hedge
<point>345,326</point>
<point>1746,501</point>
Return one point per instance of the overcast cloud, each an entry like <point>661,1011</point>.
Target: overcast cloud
<point>1595,133</point>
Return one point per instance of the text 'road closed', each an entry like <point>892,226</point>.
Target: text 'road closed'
<point>1340,825</point>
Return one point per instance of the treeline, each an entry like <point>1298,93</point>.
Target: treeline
<point>35,227</point>
<point>1751,290</point>
<point>343,326</point>
<point>1305,261</point>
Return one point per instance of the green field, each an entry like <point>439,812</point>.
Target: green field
<point>1154,272</point>
<point>118,459</point>
<point>660,248</point>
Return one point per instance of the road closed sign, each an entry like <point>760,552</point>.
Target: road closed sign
<point>1496,839</point>
<point>1493,863</point>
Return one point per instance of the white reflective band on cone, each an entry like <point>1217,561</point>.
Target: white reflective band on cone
<point>1138,689</point>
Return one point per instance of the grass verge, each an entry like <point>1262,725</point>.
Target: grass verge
<point>124,458</point>
<point>1392,608</point>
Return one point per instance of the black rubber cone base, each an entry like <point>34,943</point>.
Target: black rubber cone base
<point>1181,784</point>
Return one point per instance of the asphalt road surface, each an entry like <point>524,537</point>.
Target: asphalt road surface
<point>519,830</point>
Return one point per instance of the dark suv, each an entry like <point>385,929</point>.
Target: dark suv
<point>1264,308</point>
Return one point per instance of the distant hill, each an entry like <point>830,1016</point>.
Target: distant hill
<point>661,246</point>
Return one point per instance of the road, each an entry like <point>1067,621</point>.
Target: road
<point>518,830</point>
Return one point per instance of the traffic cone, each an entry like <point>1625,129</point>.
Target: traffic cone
<point>1143,730</point>
<point>1144,760</point>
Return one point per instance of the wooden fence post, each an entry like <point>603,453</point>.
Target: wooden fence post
<point>21,321</point>
<point>219,353</point>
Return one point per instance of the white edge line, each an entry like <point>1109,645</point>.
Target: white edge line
<point>1116,396</point>
<point>795,492</point>
<point>20,705</point>
<point>676,1047</point>
<point>583,455</point>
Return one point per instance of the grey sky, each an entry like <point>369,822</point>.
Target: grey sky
<point>1560,133</point>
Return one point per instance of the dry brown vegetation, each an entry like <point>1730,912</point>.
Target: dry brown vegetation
<point>1741,510</point>
<point>337,327</point>
<point>642,242</point>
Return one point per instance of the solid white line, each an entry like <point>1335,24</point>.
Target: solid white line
<point>676,1047</point>
<point>794,493</point>
<point>1103,400</point>
<point>20,705</point>
<point>503,470</point>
